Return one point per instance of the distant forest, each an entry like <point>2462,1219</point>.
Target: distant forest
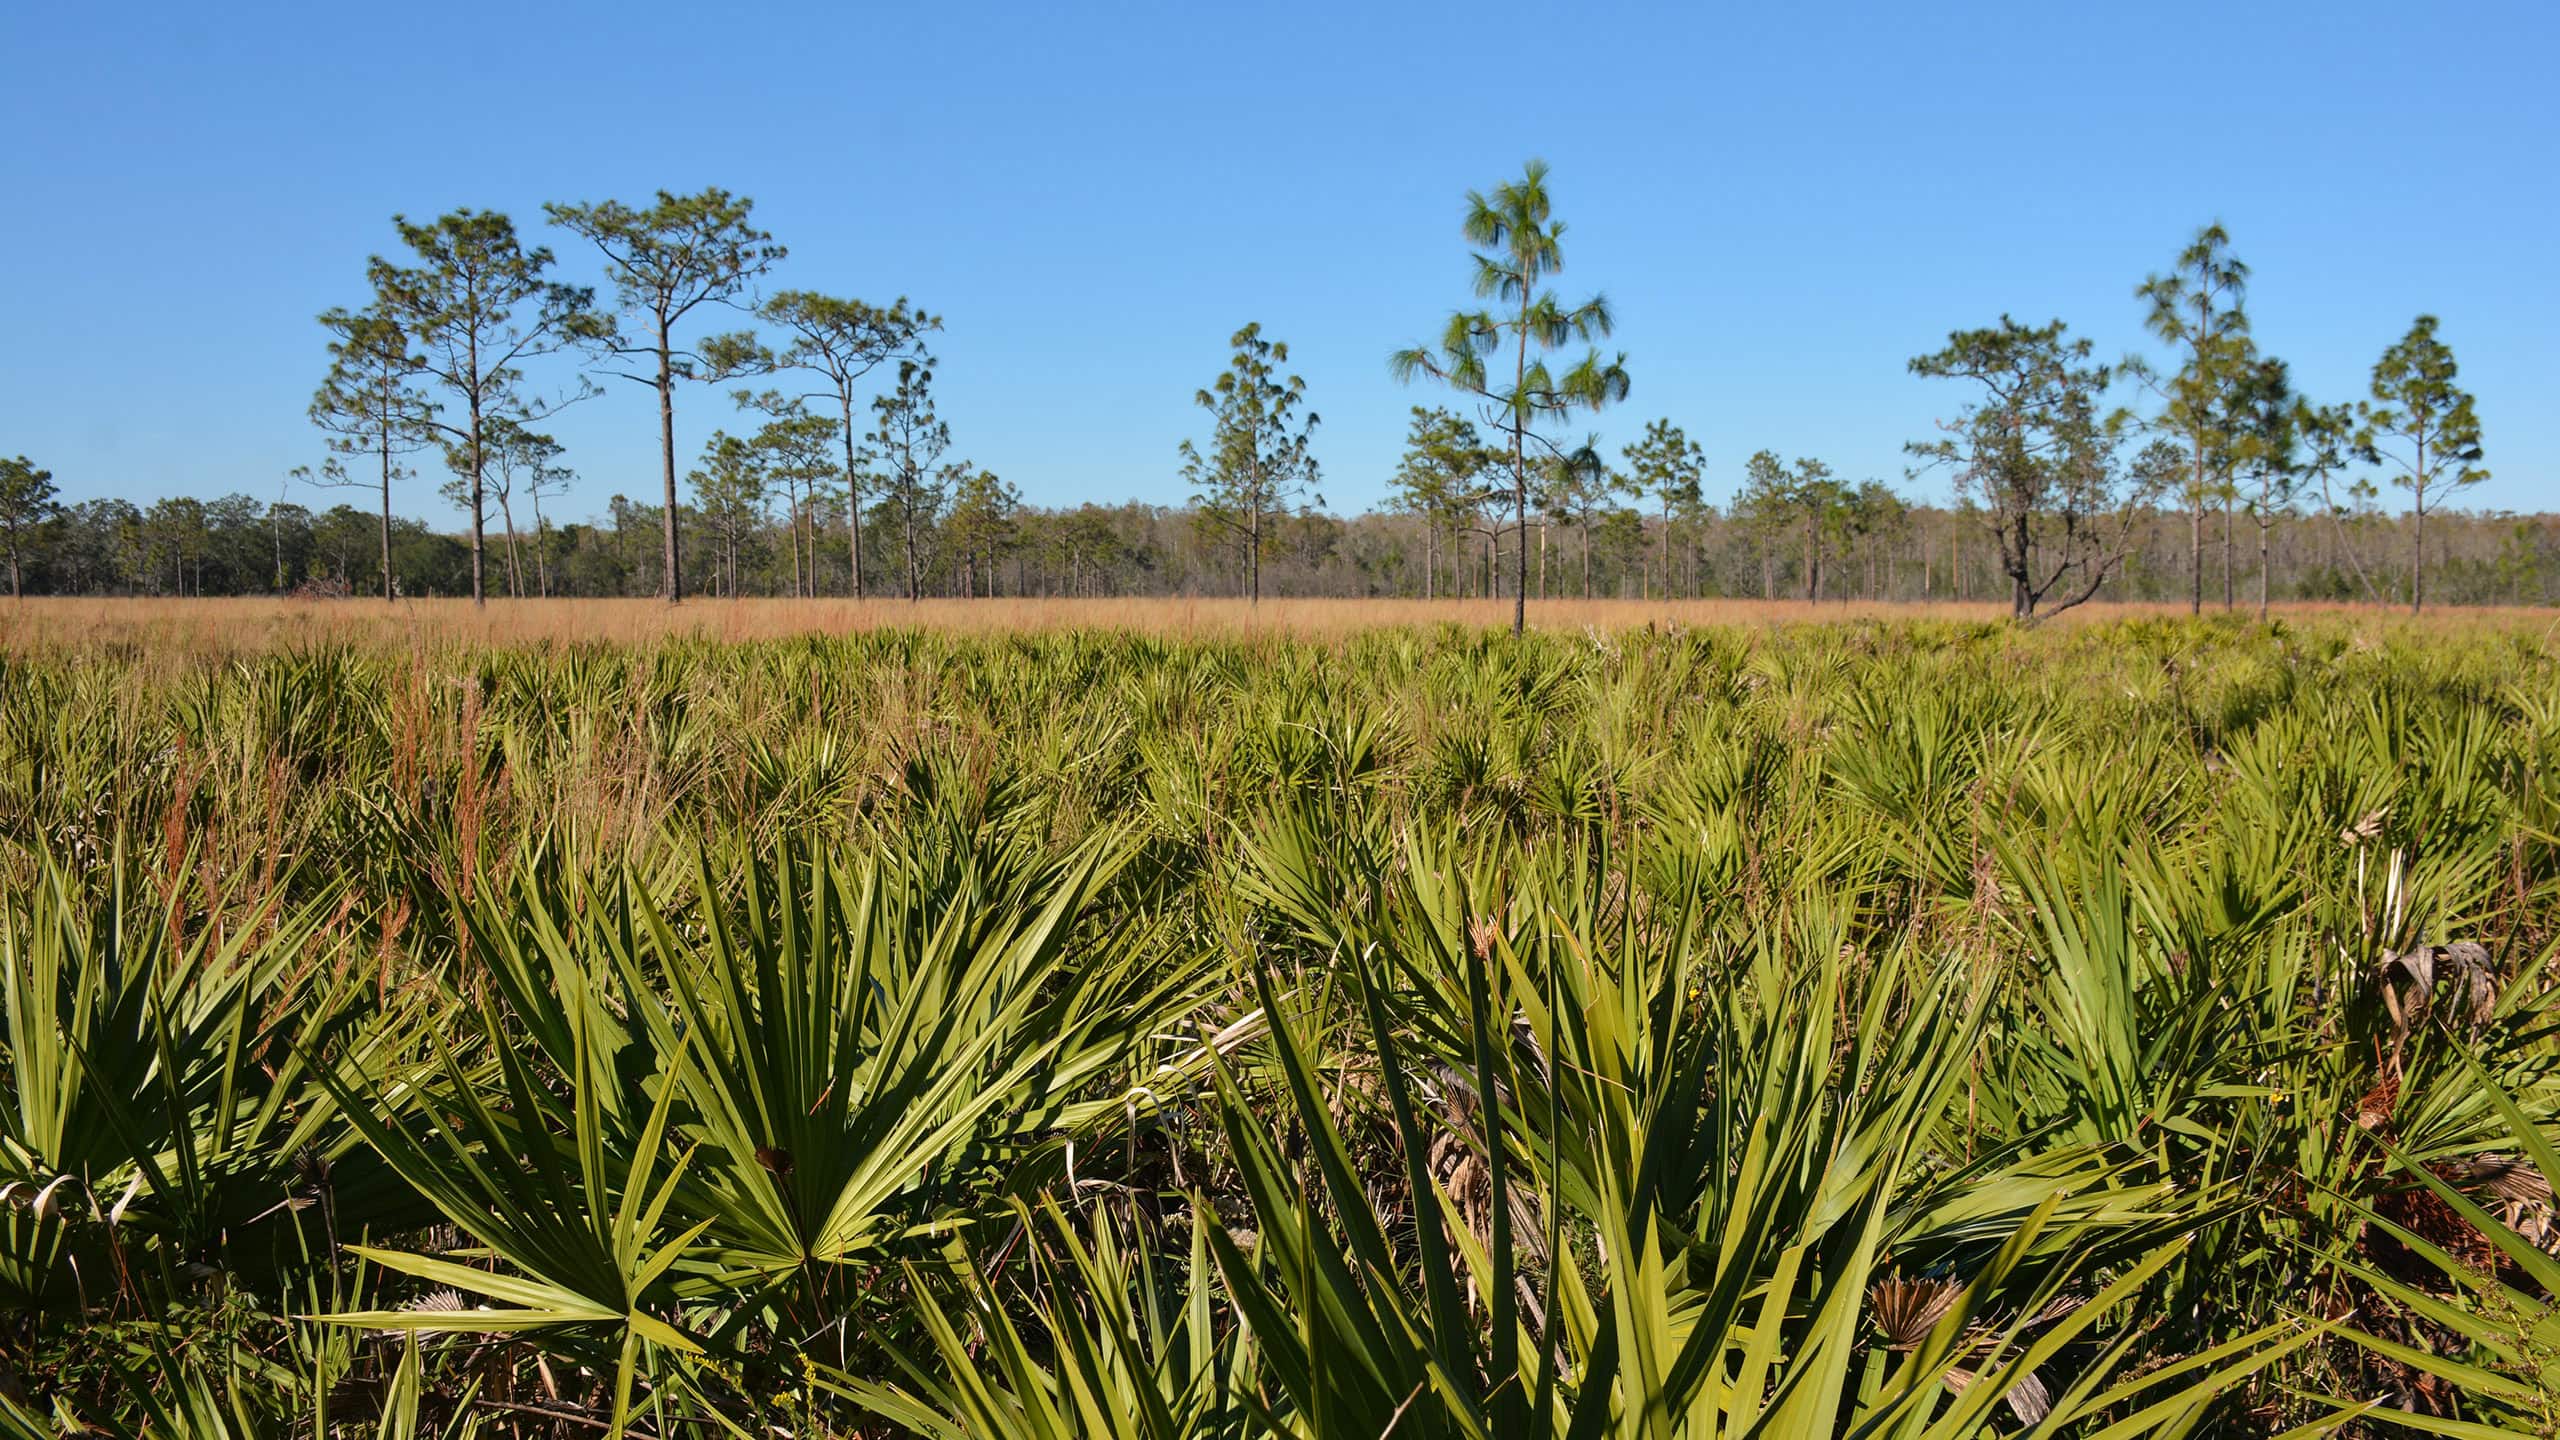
<point>239,545</point>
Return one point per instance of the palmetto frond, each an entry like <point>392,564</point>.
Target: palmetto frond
<point>1853,1028</point>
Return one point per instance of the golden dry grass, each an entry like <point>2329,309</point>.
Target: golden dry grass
<point>232,625</point>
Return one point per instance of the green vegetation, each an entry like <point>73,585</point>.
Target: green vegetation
<point>2126,1028</point>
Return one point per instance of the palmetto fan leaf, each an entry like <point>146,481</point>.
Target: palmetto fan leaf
<point>157,1083</point>
<point>1124,1343</point>
<point>585,1257</point>
<point>859,1040</point>
<point>840,1062</point>
<point>1850,1028</point>
<point>2504,1315</point>
<point>1740,1168</point>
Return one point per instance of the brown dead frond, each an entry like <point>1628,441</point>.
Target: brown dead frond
<point>1904,1311</point>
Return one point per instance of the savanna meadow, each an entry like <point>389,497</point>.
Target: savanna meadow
<point>1006,721</point>
<point>1291,1021</point>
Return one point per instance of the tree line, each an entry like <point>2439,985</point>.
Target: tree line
<point>2072,478</point>
<point>1884,550</point>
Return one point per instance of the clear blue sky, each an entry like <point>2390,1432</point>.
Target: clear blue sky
<point>1784,202</point>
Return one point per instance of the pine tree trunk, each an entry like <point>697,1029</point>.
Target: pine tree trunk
<point>2418,552</point>
<point>908,515</point>
<point>515,567</point>
<point>673,581</point>
<point>2265,534</point>
<point>2226,554</point>
<point>386,515</point>
<point>2418,531</point>
<point>1520,469</point>
<point>2022,600</point>
<point>1520,595</point>
<point>541,561</point>
<point>791,497</point>
<point>479,587</point>
<point>852,498</point>
<point>2195,549</point>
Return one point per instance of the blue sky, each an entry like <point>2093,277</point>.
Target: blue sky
<point>1784,203</point>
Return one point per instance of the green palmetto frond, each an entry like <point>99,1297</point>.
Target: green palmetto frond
<point>576,1207</point>
<point>856,1034</point>
<point>839,1063</point>
<point>1741,1183</point>
<point>1124,1343</point>
<point>2501,1314</point>
<point>157,1086</point>
<point>1853,1028</point>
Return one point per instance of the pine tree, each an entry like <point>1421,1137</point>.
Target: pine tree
<point>1518,244</point>
<point>2423,425</point>
<point>1259,457</point>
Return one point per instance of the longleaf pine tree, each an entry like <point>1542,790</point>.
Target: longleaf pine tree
<point>795,442</point>
<point>666,261</point>
<point>2268,432</point>
<point>910,437</point>
<point>2422,425</point>
<point>843,341</point>
<point>1498,354</point>
<point>1258,458</point>
<point>729,488</point>
<point>367,404</point>
<point>2328,436</point>
<point>2032,450</point>
<point>1436,481</point>
<point>1669,466</point>
<point>1574,488</point>
<point>981,526</point>
<point>2197,310</point>
<point>475,307</point>
<point>1821,504</point>
<point>1765,508</point>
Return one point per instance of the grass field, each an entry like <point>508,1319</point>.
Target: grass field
<point>1165,1019</point>
<point>193,627</point>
